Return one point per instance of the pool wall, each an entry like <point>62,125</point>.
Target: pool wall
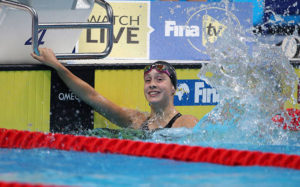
<point>37,100</point>
<point>25,99</point>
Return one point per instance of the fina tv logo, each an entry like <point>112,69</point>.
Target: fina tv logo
<point>202,27</point>
<point>195,92</point>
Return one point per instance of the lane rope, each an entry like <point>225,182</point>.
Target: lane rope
<point>230,157</point>
<point>16,184</point>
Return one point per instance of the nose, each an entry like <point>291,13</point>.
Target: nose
<point>152,84</point>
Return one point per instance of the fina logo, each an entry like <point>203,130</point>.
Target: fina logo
<point>202,27</point>
<point>183,90</point>
<point>195,92</point>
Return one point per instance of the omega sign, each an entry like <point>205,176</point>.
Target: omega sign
<point>67,96</point>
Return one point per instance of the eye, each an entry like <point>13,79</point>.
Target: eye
<point>160,79</point>
<point>147,80</point>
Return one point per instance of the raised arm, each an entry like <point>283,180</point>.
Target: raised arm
<point>122,117</point>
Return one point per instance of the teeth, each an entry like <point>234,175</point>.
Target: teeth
<point>153,93</point>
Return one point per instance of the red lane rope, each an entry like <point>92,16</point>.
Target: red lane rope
<point>16,184</point>
<point>230,157</point>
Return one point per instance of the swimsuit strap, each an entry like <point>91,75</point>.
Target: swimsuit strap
<point>170,124</point>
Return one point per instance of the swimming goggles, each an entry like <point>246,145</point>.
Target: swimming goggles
<point>159,67</point>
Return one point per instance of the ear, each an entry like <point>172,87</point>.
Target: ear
<point>173,90</point>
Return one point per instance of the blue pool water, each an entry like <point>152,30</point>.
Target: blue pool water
<point>95,169</point>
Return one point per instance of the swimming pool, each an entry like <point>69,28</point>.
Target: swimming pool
<point>58,167</point>
<point>51,165</point>
<point>96,169</point>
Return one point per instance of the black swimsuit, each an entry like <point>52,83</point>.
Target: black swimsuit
<point>169,125</point>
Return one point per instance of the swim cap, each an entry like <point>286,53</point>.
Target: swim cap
<point>164,67</point>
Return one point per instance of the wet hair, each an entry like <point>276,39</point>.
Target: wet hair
<point>171,70</point>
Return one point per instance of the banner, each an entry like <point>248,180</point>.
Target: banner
<point>68,113</point>
<point>195,92</point>
<point>182,31</point>
<point>165,30</point>
<point>131,31</point>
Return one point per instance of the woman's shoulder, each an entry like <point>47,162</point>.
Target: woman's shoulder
<point>188,121</point>
<point>137,117</point>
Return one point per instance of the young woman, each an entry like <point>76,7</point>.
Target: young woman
<point>159,89</point>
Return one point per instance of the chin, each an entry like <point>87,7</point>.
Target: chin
<point>153,101</point>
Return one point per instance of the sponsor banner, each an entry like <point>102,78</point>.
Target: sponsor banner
<point>164,30</point>
<point>124,87</point>
<point>195,92</point>
<point>131,30</point>
<point>68,112</point>
<point>182,31</point>
<point>25,100</point>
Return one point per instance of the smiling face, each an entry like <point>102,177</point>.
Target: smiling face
<point>158,87</point>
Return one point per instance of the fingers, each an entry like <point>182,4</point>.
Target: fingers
<point>34,56</point>
<point>42,51</point>
<point>42,55</point>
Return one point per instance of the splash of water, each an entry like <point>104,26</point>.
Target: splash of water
<point>253,89</point>
<point>253,84</point>
<point>254,80</point>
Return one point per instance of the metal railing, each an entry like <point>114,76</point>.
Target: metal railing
<point>68,25</point>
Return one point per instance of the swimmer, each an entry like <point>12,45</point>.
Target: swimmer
<point>160,83</point>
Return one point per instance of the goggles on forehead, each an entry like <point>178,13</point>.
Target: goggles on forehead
<point>159,67</point>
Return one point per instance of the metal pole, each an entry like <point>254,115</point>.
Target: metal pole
<point>35,20</point>
<point>75,25</point>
